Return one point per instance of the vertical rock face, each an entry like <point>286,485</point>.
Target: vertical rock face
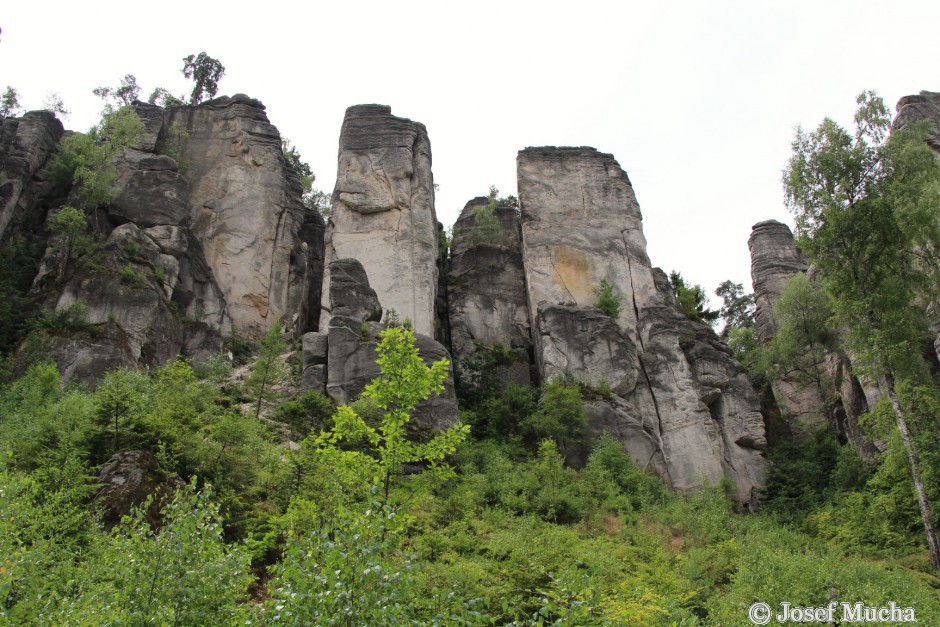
<point>923,106</point>
<point>244,209</point>
<point>774,259</point>
<point>26,147</point>
<point>805,404</point>
<point>206,237</point>
<point>383,212</point>
<point>341,359</point>
<point>487,295</point>
<point>681,405</point>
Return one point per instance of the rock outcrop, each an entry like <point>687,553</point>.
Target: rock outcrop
<point>923,106</point>
<point>206,237</point>
<point>487,297</point>
<point>383,212</point>
<point>341,359</point>
<point>673,381</point>
<point>27,145</point>
<point>805,403</point>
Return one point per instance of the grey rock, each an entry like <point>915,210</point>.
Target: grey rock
<point>774,259</point>
<point>127,480</point>
<point>681,403</point>
<point>314,362</point>
<point>486,291</point>
<point>27,146</point>
<point>151,190</point>
<point>350,293</point>
<point>923,106</point>
<point>383,212</point>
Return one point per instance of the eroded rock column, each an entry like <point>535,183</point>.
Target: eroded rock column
<point>383,212</point>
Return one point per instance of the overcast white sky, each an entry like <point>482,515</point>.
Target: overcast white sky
<point>696,100</point>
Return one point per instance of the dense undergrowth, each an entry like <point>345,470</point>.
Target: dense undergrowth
<point>265,534</point>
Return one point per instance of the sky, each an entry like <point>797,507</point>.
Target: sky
<point>698,101</point>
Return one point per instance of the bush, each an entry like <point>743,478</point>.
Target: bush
<point>607,301</point>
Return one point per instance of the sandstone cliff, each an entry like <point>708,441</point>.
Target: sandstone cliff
<point>206,237</point>
<point>383,212</point>
<point>682,405</point>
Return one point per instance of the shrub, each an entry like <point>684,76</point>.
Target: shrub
<point>607,301</point>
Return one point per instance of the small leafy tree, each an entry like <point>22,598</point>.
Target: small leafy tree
<point>404,382</point>
<point>122,95</point>
<point>205,72</point>
<point>53,103</point>
<point>737,309</point>
<point>10,103</point>
<point>692,300</point>
<point>607,300</point>
<point>70,226</point>
<point>163,98</point>
<point>269,369</point>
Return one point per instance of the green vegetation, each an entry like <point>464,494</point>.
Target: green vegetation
<point>692,300</point>
<point>486,228</point>
<point>607,301</point>
<point>867,208</point>
<point>10,103</point>
<point>205,73</point>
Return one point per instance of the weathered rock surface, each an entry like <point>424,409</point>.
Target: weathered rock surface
<point>128,479</point>
<point>923,106</point>
<point>684,406</point>
<point>805,404</point>
<point>27,145</point>
<point>245,212</point>
<point>211,239</point>
<point>342,360</point>
<point>774,259</point>
<point>487,297</point>
<point>383,212</point>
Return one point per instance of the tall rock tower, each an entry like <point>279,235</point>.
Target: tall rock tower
<point>680,404</point>
<point>383,212</point>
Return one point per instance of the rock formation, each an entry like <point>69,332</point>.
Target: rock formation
<point>341,360</point>
<point>487,297</point>
<point>383,212</point>
<point>673,381</point>
<point>804,404</point>
<point>206,237</point>
<point>923,106</point>
<point>27,145</point>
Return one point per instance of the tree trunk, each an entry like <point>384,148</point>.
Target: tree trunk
<point>933,545</point>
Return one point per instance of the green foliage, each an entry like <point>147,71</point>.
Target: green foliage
<point>130,276</point>
<point>404,382</point>
<point>16,274</point>
<point>692,300</point>
<point>205,73</point>
<point>10,103</point>
<point>560,416</point>
<point>53,104</point>
<point>122,95</point>
<point>308,412</point>
<point>182,573</point>
<point>86,160</point>
<point>72,317</point>
<point>69,226</point>
<point>269,369</point>
<point>607,301</point>
<point>804,336</point>
<point>348,573</point>
<point>163,98</point>
<point>737,308</point>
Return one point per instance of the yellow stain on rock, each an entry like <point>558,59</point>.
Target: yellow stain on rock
<point>258,302</point>
<point>574,274</point>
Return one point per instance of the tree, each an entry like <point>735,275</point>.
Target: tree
<point>163,98</point>
<point>206,72</point>
<point>607,301</point>
<point>70,226</point>
<point>737,309</point>
<point>122,95</point>
<point>269,369</point>
<point>867,208</point>
<point>53,103</point>
<point>10,103</point>
<point>692,300</point>
<point>404,382</point>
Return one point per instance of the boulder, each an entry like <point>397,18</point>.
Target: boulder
<point>127,480</point>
